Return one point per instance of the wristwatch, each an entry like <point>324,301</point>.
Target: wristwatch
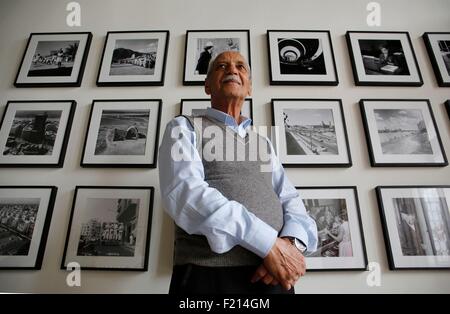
<point>297,243</point>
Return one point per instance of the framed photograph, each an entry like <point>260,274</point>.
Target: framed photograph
<point>336,212</point>
<point>122,133</point>
<point>438,48</point>
<point>416,225</point>
<point>383,59</point>
<point>203,46</point>
<point>34,133</point>
<point>25,215</point>
<point>134,58</point>
<point>301,58</point>
<point>53,60</point>
<point>198,107</point>
<point>109,228</point>
<point>402,132</point>
<point>310,133</point>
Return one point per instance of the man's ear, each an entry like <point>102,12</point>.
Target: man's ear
<point>207,88</point>
<point>250,89</point>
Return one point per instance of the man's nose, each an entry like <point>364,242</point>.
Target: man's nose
<point>232,69</point>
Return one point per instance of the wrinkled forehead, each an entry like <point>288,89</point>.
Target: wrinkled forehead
<point>231,56</point>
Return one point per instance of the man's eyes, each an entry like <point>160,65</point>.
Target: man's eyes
<point>239,66</point>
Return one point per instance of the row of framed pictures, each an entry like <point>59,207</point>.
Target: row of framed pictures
<point>296,57</point>
<point>307,133</point>
<point>110,227</point>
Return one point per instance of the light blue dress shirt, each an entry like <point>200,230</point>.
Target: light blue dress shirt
<point>202,210</point>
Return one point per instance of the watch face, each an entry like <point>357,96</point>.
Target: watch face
<point>300,245</point>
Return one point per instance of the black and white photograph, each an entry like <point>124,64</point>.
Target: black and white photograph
<point>310,132</point>
<point>402,133</point>
<point>416,225</point>
<point>204,46</point>
<point>122,133</point>
<point>383,59</point>
<point>197,107</point>
<point>35,133</point>
<point>54,59</point>
<point>301,58</point>
<point>25,214</point>
<point>438,48</point>
<point>110,228</point>
<point>340,237</point>
<point>134,58</point>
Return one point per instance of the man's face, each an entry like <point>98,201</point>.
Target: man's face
<point>230,77</point>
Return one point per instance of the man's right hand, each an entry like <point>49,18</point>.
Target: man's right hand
<point>285,263</point>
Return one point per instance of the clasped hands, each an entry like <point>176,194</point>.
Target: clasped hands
<point>283,265</point>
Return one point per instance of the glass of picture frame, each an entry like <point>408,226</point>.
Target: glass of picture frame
<point>110,228</point>
<point>134,58</point>
<point>303,57</point>
<point>197,106</point>
<point>438,48</point>
<point>310,133</point>
<point>25,215</point>
<point>402,132</point>
<point>416,225</point>
<point>202,46</point>
<point>54,60</point>
<point>335,209</point>
<point>122,133</point>
<point>35,133</point>
<point>383,59</point>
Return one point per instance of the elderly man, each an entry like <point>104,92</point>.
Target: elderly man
<point>241,228</point>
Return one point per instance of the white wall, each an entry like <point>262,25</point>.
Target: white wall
<point>18,18</point>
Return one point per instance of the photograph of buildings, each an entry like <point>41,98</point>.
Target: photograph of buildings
<point>301,56</point>
<point>423,225</point>
<point>134,57</point>
<point>108,227</point>
<point>17,220</point>
<point>310,132</point>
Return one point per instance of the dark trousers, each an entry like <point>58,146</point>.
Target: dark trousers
<point>193,279</point>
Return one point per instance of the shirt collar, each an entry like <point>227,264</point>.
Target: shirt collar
<point>226,118</point>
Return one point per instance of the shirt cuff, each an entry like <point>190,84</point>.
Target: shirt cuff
<point>296,231</point>
<point>261,239</point>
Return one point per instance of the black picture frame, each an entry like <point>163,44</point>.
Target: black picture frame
<point>40,224</point>
<point>447,107</point>
<point>399,208</point>
<point>60,139</point>
<point>247,108</point>
<point>326,57</point>
<point>23,79</point>
<point>104,77</point>
<point>310,159</point>
<point>210,36</point>
<point>324,258</point>
<point>148,159</point>
<point>387,153</point>
<point>404,70</point>
<point>438,62</point>
<point>86,260</point>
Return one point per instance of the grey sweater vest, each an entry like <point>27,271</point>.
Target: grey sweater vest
<point>240,180</point>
